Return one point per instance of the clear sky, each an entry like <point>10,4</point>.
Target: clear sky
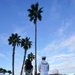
<point>55,38</point>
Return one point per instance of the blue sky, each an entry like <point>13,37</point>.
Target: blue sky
<point>55,37</point>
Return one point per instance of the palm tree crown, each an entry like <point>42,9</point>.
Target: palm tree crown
<point>35,13</point>
<point>14,40</point>
<point>31,56</point>
<point>25,43</point>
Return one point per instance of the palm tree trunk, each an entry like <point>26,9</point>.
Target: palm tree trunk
<point>13,54</point>
<point>23,62</point>
<point>35,49</point>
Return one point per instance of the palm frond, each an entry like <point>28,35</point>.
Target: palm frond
<point>14,39</point>
<point>30,10</point>
<point>36,6</point>
<point>39,17</point>
<point>32,18</point>
<point>30,15</point>
<point>35,13</point>
<point>32,6</point>
<point>40,10</point>
<point>25,43</point>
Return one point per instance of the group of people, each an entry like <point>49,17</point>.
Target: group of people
<point>43,67</point>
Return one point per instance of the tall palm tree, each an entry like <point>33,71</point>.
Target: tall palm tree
<point>34,15</point>
<point>26,44</point>
<point>14,40</point>
<point>31,56</point>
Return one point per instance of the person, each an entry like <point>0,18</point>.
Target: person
<point>43,67</point>
<point>28,68</point>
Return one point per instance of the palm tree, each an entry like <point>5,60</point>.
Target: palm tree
<point>34,14</point>
<point>9,71</point>
<point>14,40</point>
<point>31,56</point>
<point>26,44</point>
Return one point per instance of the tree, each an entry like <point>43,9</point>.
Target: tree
<point>4,71</point>
<point>9,71</point>
<point>38,74</point>
<point>14,40</point>
<point>26,44</point>
<point>34,14</point>
<point>31,56</point>
<point>1,70</point>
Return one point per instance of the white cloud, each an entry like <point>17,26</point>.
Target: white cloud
<point>23,14</point>
<point>65,67</point>
<point>58,45</point>
<point>2,55</point>
<point>64,28</point>
<point>3,38</point>
<point>20,30</point>
<point>17,70</point>
<point>69,43</point>
<point>60,54</point>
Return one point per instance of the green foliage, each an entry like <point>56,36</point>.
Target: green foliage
<point>3,70</point>
<point>14,39</point>
<point>35,13</point>
<point>9,71</point>
<point>25,43</point>
<point>38,74</point>
<point>31,56</point>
